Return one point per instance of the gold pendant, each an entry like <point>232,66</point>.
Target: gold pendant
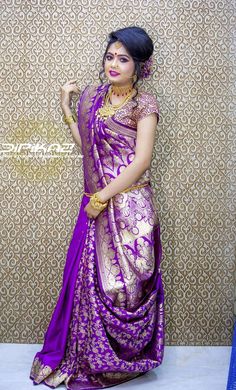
<point>106,111</point>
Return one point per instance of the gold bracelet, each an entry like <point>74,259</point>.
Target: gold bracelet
<point>69,119</point>
<point>96,203</point>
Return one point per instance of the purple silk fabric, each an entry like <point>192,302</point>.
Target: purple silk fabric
<point>108,323</point>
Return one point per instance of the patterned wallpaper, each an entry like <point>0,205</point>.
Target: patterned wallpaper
<point>44,43</point>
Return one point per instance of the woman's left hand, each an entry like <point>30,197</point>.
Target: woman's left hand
<point>91,212</point>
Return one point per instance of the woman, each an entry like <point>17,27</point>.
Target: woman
<point>108,324</point>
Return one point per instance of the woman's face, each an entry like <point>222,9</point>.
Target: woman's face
<point>119,66</point>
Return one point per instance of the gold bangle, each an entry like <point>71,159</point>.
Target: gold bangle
<point>96,203</point>
<point>69,119</point>
<point>90,194</point>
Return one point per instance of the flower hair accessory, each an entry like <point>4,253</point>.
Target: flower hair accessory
<point>146,69</point>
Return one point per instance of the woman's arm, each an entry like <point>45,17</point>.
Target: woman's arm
<point>73,126</point>
<point>146,128</point>
<point>67,90</point>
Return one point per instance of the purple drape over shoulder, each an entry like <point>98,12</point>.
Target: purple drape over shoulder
<point>108,323</point>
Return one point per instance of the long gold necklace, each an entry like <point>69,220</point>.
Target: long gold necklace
<point>109,109</point>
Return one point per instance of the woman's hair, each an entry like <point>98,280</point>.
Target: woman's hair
<point>138,44</point>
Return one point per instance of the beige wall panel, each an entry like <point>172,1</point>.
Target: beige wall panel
<point>45,43</point>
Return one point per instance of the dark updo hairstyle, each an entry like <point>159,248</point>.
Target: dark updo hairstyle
<point>138,44</point>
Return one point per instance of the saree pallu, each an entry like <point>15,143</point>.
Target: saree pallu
<point>108,323</point>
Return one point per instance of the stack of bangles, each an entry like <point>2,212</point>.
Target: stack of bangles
<point>97,204</point>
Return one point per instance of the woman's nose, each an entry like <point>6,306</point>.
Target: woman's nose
<point>114,62</point>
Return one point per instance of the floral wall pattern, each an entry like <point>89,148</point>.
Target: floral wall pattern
<point>45,43</point>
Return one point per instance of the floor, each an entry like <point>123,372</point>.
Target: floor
<point>183,368</point>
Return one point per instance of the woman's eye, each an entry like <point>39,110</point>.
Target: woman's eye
<point>109,58</point>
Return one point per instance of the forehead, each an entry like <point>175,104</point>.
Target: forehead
<point>118,48</point>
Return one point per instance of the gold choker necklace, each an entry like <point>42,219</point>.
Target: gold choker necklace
<point>121,91</point>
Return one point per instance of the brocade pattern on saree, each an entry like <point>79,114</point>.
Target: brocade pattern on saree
<point>108,324</point>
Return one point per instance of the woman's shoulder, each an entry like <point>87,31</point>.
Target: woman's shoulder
<point>146,97</point>
<point>147,104</point>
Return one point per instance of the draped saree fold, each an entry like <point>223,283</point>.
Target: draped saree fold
<point>108,323</point>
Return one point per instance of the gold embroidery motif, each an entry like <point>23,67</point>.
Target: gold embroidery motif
<point>126,261</point>
<point>39,371</point>
<point>135,215</point>
<point>56,378</point>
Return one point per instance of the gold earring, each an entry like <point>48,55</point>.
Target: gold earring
<point>134,77</point>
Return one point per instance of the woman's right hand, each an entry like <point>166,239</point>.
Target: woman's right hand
<point>66,91</point>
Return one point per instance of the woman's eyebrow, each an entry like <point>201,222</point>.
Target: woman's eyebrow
<point>119,55</point>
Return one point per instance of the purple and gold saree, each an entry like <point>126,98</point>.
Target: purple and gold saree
<point>108,324</point>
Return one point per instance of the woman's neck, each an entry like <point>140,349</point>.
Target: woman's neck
<point>121,90</point>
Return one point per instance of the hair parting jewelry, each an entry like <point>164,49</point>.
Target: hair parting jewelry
<point>118,44</point>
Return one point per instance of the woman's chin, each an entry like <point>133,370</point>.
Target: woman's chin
<point>114,79</point>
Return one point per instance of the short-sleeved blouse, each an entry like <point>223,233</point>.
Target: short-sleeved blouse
<point>131,113</point>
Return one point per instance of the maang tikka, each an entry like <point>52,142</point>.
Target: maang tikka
<point>118,44</point>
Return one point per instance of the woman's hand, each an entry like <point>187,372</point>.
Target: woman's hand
<point>67,90</point>
<point>91,212</point>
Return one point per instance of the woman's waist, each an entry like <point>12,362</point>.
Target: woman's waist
<point>137,186</point>
<point>130,188</point>
<point>96,180</point>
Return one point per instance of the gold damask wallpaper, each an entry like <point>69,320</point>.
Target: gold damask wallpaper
<point>45,43</point>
